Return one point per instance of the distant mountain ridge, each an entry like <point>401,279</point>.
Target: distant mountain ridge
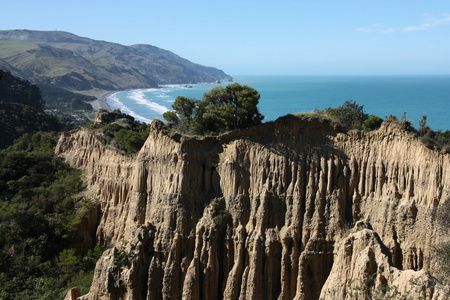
<point>69,61</point>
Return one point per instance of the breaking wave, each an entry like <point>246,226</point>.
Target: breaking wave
<point>115,103</point>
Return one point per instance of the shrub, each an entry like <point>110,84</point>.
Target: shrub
<point>121,131</point>
<point>131,141</point>
<point>422,124</point>
<point>402,123</point>
<point>350,115</point>
<point>221,217</point>
<point>372,123</point>
<point>121,258</point>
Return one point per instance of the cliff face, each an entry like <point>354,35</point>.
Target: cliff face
<point>261,213</point>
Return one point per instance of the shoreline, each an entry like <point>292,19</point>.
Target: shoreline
<point>102,95</point>
<point>100,102</point>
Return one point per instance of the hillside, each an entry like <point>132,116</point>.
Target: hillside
<point>22,110</point>
<point>292,209</point>
<point>77,63</point>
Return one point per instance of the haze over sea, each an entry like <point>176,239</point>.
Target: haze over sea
<point>281,95</point>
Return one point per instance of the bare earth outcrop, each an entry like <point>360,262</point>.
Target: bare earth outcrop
<point>285,210</point>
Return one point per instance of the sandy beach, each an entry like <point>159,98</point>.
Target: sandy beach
<point>101,95</point>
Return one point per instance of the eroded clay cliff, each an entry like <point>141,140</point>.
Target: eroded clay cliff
<point>261,213</point>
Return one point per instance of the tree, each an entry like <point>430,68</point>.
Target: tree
<point>350,114</point>
<point>222,109</point>
<point>182,114</point>
<point>243,101</point>
<point>422,124</point>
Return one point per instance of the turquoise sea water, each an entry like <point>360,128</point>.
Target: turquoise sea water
<point>280,95</point>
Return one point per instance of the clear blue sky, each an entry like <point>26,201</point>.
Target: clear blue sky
<point>358,37</point>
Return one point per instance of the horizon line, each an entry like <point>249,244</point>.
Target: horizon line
<point>232,75</point>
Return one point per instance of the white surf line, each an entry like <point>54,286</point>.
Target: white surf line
<point>124,109</point>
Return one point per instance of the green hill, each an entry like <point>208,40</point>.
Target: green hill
<point>65,60</point>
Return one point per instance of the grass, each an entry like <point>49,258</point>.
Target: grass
<point>12,48</point>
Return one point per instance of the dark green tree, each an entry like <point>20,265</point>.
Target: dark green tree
<point>182,114</point>
<point>221,109</point>
<point>237,105</point>
<point>350,114</point>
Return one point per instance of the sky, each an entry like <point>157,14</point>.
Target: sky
<point>315,37</point>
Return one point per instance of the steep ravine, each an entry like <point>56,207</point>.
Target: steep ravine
<point>261,213</point>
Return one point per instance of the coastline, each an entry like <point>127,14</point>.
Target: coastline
<point>281,95</point>
<point>100,102</point>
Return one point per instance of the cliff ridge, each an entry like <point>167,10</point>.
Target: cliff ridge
<point>262,213</point>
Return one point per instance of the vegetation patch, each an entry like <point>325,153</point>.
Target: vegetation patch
<point>22,110</point>
<point>65,101</point>
<point>221,217</point>
<point>351,116</point>
<point>219,213</point>
<point>220,110</point>
<point>121,257</point>
<point>373,122</point>
<point>437,140</point>
<point>348,116</point>
<point>39,221</point>
<point>419,288</point>
<point>402,122</point>
<point>121,131</point>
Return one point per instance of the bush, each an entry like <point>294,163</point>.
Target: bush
<point>221,217</point>
<point>372,123</point>
<point>16,120</point>
<point>422,124</point>
<point>402,123</point>
<point>121,257</point>
<point>121,131</point>
<point>350,115</point>
<point>131,141</point>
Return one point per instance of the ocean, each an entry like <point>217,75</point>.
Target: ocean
<point>281,95</point>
